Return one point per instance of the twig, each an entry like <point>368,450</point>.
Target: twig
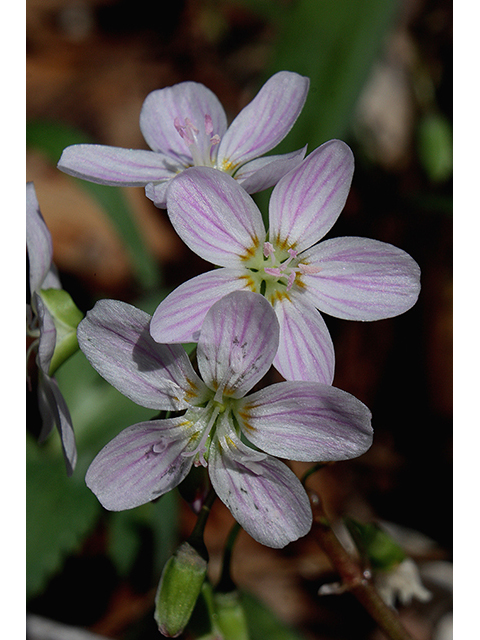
<point>352,576</point>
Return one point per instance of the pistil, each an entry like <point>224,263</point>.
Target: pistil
<point>200,144</point>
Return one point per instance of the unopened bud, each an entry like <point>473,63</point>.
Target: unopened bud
<point>66,317</point>
<point>382,551</point>
<point>178,590</point>
<point>230,616</point>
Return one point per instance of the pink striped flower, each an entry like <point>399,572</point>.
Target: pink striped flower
<point>351,278</point>
<point>185,125</point>
<point>43,276</point>
<point>306,421</point>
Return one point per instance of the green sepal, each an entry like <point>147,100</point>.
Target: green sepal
<point>383,553</point>
<point>66,317</point>
<point>435,146</point>
<point>178,590</point>
<point>230,616</point>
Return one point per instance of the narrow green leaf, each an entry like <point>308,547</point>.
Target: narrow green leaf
<point>334,43</point>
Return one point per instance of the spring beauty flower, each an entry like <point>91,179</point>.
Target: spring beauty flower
<point>185,125</point>
<point>42,330</point>
<point>351,278</point>
<point>238,341</point>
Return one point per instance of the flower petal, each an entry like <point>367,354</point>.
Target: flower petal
<point>214,216</point>
<point>262,173</point>
<point>306,421</point>
<point>116,166</point>
<point>157,193</point>
<point>190,100</point>
<point>305,351</point>
<point>39,246</point>
<point>115,338</point>
<point>142,463</point>
<point>54,411</point>
<point>48,334</point>
<point>263,494</point>
<point>238,341</point>
<point>265,121</point>
<point>361,279</point>
<point>179,317</point>
<point>306,202</point>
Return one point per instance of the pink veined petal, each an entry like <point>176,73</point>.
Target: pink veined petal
<point>307,201</point>
<point>214,216</point>
<point>263,494</point>
<point>305,350</point>
<point>39,245</point>
<point>361,279</point>
<point>48,335</point>
<point>157,193</point>
<point>140,464</point>
<point>115,338</point>
<point>265,121</point>
<point>237,344</point>
<point>190,100</point>
<point>262,173</point>
<point>306,421</point>
<point>116,166</point>
<point>54,412</point>
<point>179,317</point>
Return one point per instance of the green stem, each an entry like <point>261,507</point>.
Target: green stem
<point>316,467</point>
<point>196,537</point>
<point>352,575</point>
<point>226,584</point>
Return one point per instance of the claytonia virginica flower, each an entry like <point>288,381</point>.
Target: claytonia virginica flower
<point>41,328</point>
<point>185,125</point>
<point>402,583</point>
<point>305,421</point>
<point>351,278</point>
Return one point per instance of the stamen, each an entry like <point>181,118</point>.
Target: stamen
<point>201,448</point>
<point>190,126</point>
<point>268,249</point>
<point>309,268</point>
<point>273,271</point>
<point>291,279</point>
<point>199,143</point>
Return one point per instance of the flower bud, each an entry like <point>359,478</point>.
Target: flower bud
<point>178,590</point>
<point>379,547</point>
<point>230,616</point>
<point>66,317</point>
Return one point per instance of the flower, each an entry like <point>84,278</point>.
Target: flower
<point>403,583</point>
<point>238,341</point>
<point>185,125</point>
<point>351,278</point>
<point>42,330</point>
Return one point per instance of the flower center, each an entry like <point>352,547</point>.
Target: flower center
<point>274,271</point>
<point>207,417</point>
<point>201,143</point>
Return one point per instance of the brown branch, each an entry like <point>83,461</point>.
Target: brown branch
<point>352,575</point>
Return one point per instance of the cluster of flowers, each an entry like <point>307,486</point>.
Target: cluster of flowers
<point>262,307</point>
